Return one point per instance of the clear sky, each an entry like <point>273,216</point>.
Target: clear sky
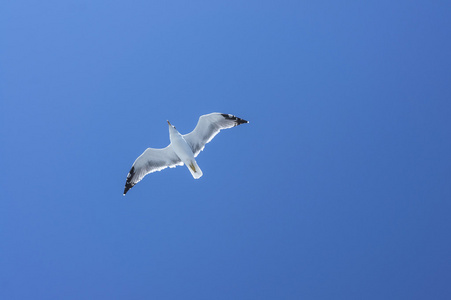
<point>338,188</point>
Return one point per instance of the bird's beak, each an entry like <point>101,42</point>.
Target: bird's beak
<point>168,123</point>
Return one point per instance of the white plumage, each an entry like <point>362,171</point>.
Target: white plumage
<point>183,148</point>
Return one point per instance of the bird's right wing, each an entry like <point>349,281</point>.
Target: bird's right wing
<point>208,127</point>
<point>150,161</point>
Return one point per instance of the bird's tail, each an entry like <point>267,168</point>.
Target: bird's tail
<point>195,170</point>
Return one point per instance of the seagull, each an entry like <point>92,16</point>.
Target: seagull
<point>183,148</point>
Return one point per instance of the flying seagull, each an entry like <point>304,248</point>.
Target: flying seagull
<point>182,149</point>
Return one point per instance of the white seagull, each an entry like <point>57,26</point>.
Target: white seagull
<point>182,149</point>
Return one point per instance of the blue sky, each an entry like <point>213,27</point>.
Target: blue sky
<point>338,188</point>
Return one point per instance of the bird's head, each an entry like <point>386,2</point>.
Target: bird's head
<point>172,130</point>
<point>169,123</point>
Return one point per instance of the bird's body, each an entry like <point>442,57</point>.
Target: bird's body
<point>184,152</point>
<point>183,148</point>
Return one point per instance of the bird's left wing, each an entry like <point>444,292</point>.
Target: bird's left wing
<point>208,127</point>
<point>150,161</point>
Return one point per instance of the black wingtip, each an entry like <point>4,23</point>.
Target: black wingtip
<point>128,186</point>
<point>238,121</point>
<point>241,121</point>
<point>128,183</point>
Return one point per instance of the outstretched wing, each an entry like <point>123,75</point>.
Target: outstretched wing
<point>150,161</point>
<point>209,126</point>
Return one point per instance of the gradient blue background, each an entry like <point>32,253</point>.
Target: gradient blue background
<point>338,188</point>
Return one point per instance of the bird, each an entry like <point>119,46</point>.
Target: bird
<point>182,150</point>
